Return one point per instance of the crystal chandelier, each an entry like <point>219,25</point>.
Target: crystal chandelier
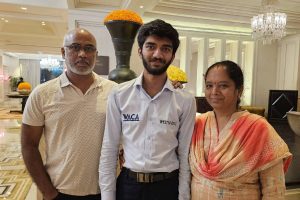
<point>268,26</point>
<point>49,62</point>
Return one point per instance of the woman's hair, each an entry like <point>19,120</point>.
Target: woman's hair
<point>234,72</point>
<point>161,29</point>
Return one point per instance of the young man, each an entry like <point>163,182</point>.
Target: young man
<point>154,121</point>
<point>70,112</point>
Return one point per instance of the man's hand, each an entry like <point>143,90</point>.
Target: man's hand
<point>51,195</point>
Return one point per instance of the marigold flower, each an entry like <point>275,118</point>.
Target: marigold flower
<point>176,74</point>
<point>24,86</point>
<point>123,15</point>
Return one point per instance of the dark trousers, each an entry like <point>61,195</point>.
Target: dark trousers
<point>129,189</point>
<point>62,196</point>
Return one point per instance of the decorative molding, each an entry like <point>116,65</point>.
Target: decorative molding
<point>80,23</point>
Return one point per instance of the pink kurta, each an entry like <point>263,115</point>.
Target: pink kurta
<point>245,160</point>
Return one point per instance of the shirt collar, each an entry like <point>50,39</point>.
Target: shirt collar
<point>64,81</point>
<point>139,80</point>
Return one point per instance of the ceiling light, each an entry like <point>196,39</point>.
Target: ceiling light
<point>23,8</point>
<point>141,6</point>
<point>2,18</point>
<point>268,26</point>
<point>6,20</point>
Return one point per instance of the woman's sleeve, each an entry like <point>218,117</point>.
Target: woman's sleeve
<point>273,182</point>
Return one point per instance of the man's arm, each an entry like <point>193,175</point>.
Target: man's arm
<point>186,128</point>
<point>110,150</point>
<point>30,139</point>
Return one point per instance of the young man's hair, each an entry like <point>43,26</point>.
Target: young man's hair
<point>161,29</point>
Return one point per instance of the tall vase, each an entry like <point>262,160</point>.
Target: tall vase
<point>122,34</point>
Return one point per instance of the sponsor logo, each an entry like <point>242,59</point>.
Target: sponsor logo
<point>131,117</point>
<point>167,122</point>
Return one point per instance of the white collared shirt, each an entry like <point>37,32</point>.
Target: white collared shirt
<point>155,134</point>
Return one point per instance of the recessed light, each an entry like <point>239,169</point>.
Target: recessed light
<point>2,18</point>
<point>141,6</point>
<point>6,20</point>
<point>23,8</point>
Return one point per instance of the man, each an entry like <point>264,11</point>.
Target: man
<point>21,80</point>
<point>70,112</point>
<point>154,122</point>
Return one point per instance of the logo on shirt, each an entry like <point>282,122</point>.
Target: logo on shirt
<point>131,117</point>
<point>167,122</point>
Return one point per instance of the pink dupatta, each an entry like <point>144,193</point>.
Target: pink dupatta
<point>250,145</point>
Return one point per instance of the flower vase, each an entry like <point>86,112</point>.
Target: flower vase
<point>123,34</point>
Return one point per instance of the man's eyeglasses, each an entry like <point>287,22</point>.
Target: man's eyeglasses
<point>77,47</point>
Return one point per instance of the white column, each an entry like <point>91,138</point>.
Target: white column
<point>202,65</point>
<point>1,81</point>
<point>185,60</point>
<point>288,64</point>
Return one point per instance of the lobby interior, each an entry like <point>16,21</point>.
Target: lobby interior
<point>209,31</point>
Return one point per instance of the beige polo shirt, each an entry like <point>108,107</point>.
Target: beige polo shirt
<point>74,125</point>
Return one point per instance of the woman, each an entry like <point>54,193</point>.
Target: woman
<point>235,154</point>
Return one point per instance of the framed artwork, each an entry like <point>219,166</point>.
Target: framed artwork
<point>281,102</point>
<point>102,65</point>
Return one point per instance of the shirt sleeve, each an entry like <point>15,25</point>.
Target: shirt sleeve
<point>110,147</point>
<point>186,128</point>
<point>33,111</point>
<point>273,182</point>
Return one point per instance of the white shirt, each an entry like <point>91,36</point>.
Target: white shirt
<point>155,134</point>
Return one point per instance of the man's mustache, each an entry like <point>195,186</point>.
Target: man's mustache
<point>82,61</point>
<point>157,59</point>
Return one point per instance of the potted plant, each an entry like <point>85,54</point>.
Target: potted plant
<point>13,83</point>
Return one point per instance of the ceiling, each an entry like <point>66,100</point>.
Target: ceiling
<point>22,30</point>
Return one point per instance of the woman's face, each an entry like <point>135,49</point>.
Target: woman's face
<point>220,91</point>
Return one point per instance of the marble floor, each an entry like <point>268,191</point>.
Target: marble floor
<point>15,182</point>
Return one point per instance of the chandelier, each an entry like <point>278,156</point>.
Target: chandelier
<point>49,62</point>
<point>268,26</point>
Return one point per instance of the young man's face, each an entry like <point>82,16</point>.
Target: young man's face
<point>157,54</point>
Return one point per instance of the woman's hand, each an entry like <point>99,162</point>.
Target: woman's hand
<point>177,84</point>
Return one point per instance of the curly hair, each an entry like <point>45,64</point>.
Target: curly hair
<point>161,29</point>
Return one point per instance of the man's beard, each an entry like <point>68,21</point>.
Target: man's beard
<point>75,70</point>
<point>156,71</point>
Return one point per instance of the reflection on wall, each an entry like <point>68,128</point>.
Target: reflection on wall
<point>50,73</point>
<point>50,69</point>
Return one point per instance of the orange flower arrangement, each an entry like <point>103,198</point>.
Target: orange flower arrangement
<point>24,88</point>
<point>123,15</point>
